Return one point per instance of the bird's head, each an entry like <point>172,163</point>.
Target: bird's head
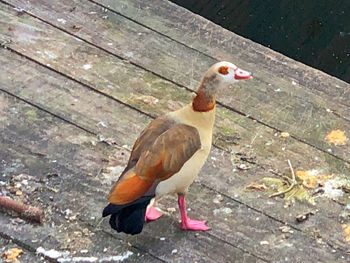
<point>219,75</point>
<point>228,72</point>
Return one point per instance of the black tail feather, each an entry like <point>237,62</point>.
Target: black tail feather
<point>128,218</point>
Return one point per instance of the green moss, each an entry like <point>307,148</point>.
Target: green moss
<point>298,192</point>
<point>31,115</point>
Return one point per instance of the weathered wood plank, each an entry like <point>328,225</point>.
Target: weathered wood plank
<point>147,93</point>
<point>217,156</point>
<point>85,200</point>
<point>83,195</point>
<point>288,110</point>
<point>244,128</point>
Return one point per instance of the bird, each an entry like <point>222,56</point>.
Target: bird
<point>168,155</point>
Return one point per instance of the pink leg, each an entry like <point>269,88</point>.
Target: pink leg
<point>152,214</point>
<point>187,223</point>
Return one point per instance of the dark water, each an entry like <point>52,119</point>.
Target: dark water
<point>316,33</point>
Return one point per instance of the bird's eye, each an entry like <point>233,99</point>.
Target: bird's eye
<point>223,70</point>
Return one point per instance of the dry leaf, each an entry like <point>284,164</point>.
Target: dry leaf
<point>346,228</point>
<point>284,134</point>
<point>337,137</point>
<point>256,186</point>
<point>286,229</point>
<point>12,254</point>
<point>311,179</point>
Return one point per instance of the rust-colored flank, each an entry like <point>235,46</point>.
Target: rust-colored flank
<point>223,70</point>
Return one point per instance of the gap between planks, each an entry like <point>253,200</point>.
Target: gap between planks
<point>157,75</point>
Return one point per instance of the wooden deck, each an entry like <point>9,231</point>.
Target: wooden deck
<point>80,79</point>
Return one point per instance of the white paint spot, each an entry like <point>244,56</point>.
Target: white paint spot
<point>101,123</point>
<point>51,253</point>
<point>294,83</point>
<point>264,242</point>
<point>67,212</point>
<point>331,189</point>
<point>63,256</point>
<point>87,66</point>
<point>61,20</point>
<point>174,251</point>
<point>19,10</point>
<point>50,54</point>
<point>24,182</point>
<point>78,259</point>
<point>110,44</point>
<point>116,258</point>
<point>162,238</point>
<point>129,54</point>
<point>84,251</point>
<point>225,210</point>
<point>277,90</point>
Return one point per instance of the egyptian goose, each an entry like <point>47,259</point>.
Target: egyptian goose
<point>168,156</point>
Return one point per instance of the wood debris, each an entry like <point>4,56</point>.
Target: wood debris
<point>11,255</point>
<point>284,134</point>
<point>256,186</point>
<point>27,211</point>
<point>346,229</point>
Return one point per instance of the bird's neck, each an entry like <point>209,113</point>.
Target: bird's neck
<point>204,101</point>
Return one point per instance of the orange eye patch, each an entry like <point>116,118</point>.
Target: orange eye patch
<point>223,70</point>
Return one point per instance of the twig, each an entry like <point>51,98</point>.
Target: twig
<point>30,212</point>
<point>293,184</point>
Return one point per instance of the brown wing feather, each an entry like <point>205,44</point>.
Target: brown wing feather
<point>156,156</point>
<point>171,149</point>
<point>147,138</point>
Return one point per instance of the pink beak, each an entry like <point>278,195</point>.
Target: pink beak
<point>242,74</point>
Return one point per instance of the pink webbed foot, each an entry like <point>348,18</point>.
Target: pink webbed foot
<point>190,224</point>
<point>152,214</point>
<point>187,223</point>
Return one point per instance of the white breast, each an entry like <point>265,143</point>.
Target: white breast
<point>204,122</point>
<point>180,181</point>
